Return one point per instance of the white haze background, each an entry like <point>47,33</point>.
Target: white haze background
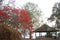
<point>44,5</point>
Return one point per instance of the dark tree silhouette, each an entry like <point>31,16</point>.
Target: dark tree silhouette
<point>56,14</point>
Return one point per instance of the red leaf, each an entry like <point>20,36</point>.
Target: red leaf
<point>25,17</point>
<point>4,14</point>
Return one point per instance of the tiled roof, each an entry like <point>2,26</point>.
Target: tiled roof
<point>45,28</point>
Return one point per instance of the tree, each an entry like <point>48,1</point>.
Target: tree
<point>21,19</point>
<point>9,33</point>
<point>17,18</point>
<point>56,14</point>
<point>34,12</point>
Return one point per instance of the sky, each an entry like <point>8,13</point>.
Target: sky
<point>44,5</point>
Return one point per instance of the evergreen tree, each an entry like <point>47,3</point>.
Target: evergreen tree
<point>56,14</point>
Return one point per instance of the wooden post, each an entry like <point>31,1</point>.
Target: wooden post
<point>30,37</point>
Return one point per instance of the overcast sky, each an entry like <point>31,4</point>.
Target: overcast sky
<point>44,5</point>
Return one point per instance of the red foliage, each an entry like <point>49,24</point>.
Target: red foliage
<point>15,11</point>
<point>24,17</point>
<point>4,14</point>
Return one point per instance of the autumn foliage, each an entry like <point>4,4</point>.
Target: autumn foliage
<point>4,14</point>
<point>22,15</point>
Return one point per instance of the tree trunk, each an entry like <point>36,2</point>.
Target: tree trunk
<point>30,37</point>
